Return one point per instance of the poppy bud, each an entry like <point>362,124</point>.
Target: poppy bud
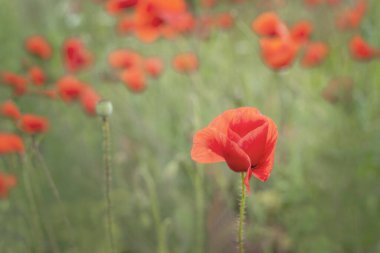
<point>104,108</point>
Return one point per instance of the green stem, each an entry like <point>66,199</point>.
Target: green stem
<point>108,179</point>
<point>242,216</point>
<point>33,206</point>
<point>53,187</point>
<point>160,226</point>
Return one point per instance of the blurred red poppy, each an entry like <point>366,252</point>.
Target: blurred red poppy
<point>38,46</point>
<point>134,79</point>
<point>360,49</point>
<point>269,24</point>
<point>16,82</point>
<point>314,54</point>
<point>37,76</point>
<point>278,53</point>
<point>10,110</point>
<point>126,24</point>
<point>153,66</point>
<point>69,88</point>
<point>224,20</point>
<point>185,62</point>
<point>33,124</point>
<point>117,6</point>
<point>243,138</point>
<point>301,31</point>
<point>6,183</point>
<point>11,143</point>
<point>89,98</point>
<point>124,58</point>
<point>351,18</point>
<point>154,18</point>
<point>76,56</point>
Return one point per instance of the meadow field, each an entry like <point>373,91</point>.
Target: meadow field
<point>323,194</point>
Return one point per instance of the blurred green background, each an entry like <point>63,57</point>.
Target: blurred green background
<point>323,194</point>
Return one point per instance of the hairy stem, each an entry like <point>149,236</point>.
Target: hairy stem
<point>241,216</point>
<point>108,179</point>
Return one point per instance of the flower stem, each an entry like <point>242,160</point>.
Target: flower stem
<point>241,216</point>
<point>108,178</point>
<point>54,189</point>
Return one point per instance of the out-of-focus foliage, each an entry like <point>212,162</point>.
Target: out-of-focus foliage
<point>323,194</point>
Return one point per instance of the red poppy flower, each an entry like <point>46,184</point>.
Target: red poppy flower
<point>152,17</point>
<point>185,62</point>
<point>278,53</point>
<point>360,49</point>
<point>11,143</point>
<point>243,138</point>
<point>37,76</point>
<point>301,32</point>
<point>224,20</point>
<point>10,110</point>
<point>117,6</point>
<point>124,58</point>
<point>134,79</point>
<point>153,66</point>
<point>89,98</point>
<point>38,46</point>
<point>76,56</point>
<point>69,88</point>
<point>6,183</point>
<point>269,24</point>
<point>314,54</point>
<point>17,82</point>
<point>126,24</point>
<point>33,124</point>
<point>351,18</point>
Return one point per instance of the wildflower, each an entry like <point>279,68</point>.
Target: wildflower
<point>134,79</point>
<point>37,76</point>
<point>69,88</point>
<point>117,6</point>
<point>6,183</point>
<point>11,143</point>
<point>16,82</point>
<point>185,62</point>
<point>278,53</point>
<point>10,110</point>
<point>38,46</point>
<point>270,25</point>
<point>301,31</point>
<point>124,58</point>
<point>314,54</point>
<point>88,99</point>
<point>76,56</point>
<point>33,124</point>
<point>153,66</point>
<point>243,138</point>
<point>351,18</point>
<point>360,49</point>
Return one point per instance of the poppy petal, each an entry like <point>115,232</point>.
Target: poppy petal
<point>254,143</point>
<point>208,146</point>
